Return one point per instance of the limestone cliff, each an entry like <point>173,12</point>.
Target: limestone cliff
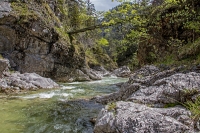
<point>32,38</point>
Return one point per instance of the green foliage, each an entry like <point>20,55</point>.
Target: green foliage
<point>193,25</point>
<point>190,50</point>
<point>128,27</point>
<point>62,32</point>
<point>168,60</point>
<point>151,57</point>
<point>96,56</point>
<point>103,42</point>
<point>111,106</point>
<point>194,107</point>
<point>90,58</point>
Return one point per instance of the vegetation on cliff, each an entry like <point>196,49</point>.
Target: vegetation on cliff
<point>133,33</point>
<point>155,31</point>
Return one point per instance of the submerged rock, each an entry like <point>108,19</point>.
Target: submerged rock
<point>128,117</point>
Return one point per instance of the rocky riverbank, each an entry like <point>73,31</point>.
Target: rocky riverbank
<point>143,104</point>
<point>14,82</point>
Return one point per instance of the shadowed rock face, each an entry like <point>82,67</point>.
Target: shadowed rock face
<point>4,67</point>
<point>32,44</point>
<point>156,89</point>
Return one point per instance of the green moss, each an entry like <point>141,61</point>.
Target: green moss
<point>170,105</point>
<point>61,7</point>
<point>90,58</point>
<point>111,106</point>
<point>23,11</point>
<point>1,57</point>
<point>50,15</point>
<point>97,57</point>
<point>62,33</point>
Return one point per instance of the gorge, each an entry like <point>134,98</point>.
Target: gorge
<point>59,72</point>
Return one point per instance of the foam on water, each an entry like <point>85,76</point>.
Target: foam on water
<point>78,91</point>
<point>74,83</point>
<point>113,76</point>
<point>47,95</point>
<point>40,95</point>
<point>103,81</point>
<point>66,95</point>
<point>67,87</point>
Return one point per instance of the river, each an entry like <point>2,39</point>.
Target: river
<point>63,110</point>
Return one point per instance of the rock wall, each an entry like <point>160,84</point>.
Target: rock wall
<point>4,67</point>
<point>31,38</point>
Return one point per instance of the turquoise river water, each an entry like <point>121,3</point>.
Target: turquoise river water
<point>63,110</point>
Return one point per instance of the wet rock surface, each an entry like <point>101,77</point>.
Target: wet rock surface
<point>145,97</point>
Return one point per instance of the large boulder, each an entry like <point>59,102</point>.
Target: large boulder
<point>26,81</point>
<point>146,71</point>
<point>101,71</point>
<point>128,117</point>
<point>14,81</point>
<point>123,71</point>
<point>157,90</point>
<point>176,88</point>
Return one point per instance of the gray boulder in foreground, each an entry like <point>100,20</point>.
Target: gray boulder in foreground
<point>138,107</point>
<point>129,117</point>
